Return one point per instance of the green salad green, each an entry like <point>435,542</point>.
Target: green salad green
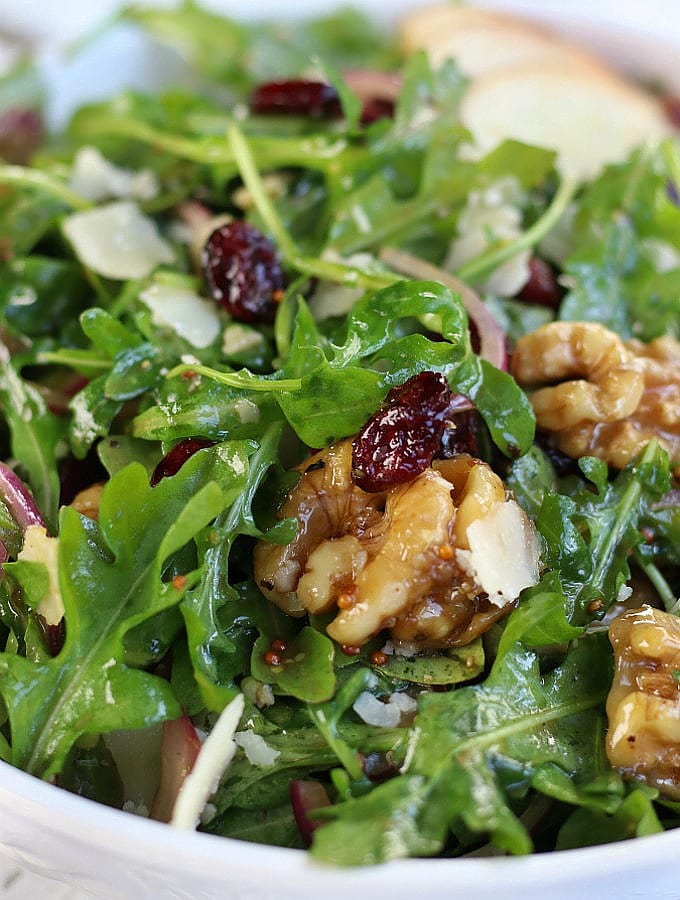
<point>113,354</point>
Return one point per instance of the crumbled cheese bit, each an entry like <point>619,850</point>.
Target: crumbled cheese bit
<point>492,215</point>
<point>239,338</point>
<point>211,763</point>
<point>117,240</point>
<point>95,178</point>
<point>247,410</point>
<point>38,547</point>
<point>256,749</point>
<point>259,694</point>
<point>192,317</point>
<point>386,714</point>
<point>504,554</point>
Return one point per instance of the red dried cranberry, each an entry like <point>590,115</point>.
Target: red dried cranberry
<point>21,132</point>
<point>55,636</point>
<point>173,461</point>
<point>461,434</point>
<point>542,288</point>
<point>296,97</point>
<point>243,272</point>
<point>378,767</point>
<point>400,440</point>
<point>671,107</point>
<point>376,108</point>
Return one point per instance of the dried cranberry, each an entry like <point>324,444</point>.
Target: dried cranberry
<point>296,97</point>
<point>542,288</point>
<point>461,434</point>
<point>173,461</point>
<point>378,767</point>
<point>21,132</point>
<point>77,474</point>
<point>243,272</point>
<point>55,636</point>
<point>400,440</point>
<point>671,107</point>
<point>376,108</point>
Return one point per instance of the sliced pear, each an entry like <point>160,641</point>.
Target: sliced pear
<point>481,41</point>
<point>589,120</point>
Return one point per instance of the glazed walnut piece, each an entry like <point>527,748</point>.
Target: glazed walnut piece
<point>604,397</point>
<point>436,560</point>
<point>643,706</point>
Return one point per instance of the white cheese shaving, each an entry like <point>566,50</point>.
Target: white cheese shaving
<point>38,547</point>
<point>385,714</point>
<point>504,552</point>
<point>117,240</point>
<point>94,177</point>
<point>256,749</point>
<point>192,317</point>
<point>211,763</point>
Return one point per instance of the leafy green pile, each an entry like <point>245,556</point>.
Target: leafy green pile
<point>161,613</point>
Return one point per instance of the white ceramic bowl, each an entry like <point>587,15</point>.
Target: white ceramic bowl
<point>113,854</point>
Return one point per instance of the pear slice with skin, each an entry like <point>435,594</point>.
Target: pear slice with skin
<point>589,121</point>
<point>481,41</point>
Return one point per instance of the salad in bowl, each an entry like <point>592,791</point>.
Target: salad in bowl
<point>339,391</point>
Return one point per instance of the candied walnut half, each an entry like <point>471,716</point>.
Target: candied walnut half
<point>643,706</point>
<point>604,397</point>
<point>436,560</point>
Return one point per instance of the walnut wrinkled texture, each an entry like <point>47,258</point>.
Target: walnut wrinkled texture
<point>643,706</point>
<point>404,559</point>
<point>603,397</point>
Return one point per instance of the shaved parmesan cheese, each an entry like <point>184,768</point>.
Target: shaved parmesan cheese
<point>192,317</point>
<point>117,240</point>
<point>386,714</point>
<point>213,759</point>
<point>504,552</point>
<point>94,177</point>
<point>38,547</point>
<point>255,747</point>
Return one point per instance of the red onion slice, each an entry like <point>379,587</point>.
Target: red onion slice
<point>18,499</point>
<point>306,796</point>
<point>492,343</point>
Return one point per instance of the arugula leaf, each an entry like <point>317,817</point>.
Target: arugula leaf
<point>588,535</point>
<point>461,743</point>
<point>35,434</point>
<point>219,620</point>
<point>110,579</point>
<point>634,817</point>
<point>378,352</point>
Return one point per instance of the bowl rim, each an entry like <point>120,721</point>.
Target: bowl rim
<point>143,840</point>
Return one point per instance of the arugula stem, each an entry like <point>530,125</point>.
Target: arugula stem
<point>604,551</point>
<point>317,153</point>
<point>251,177</point>
<point>484,264</point>
<point>327,270</point>
<point>670,601</point>
<point>22,176</point>
<point>529,722</point>
<point>238,380</point>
